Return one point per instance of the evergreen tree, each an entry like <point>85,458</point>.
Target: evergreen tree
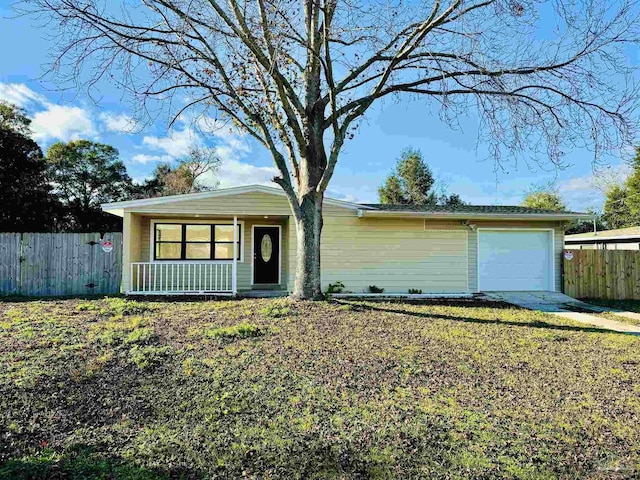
<point>28,204</point>
<point>622,205</point>
<point>632,191</point>
<point>412,182</point>
<point>545,199</point>
<point>616,209</point>
<point>391,192</point>
<point>87,174</point>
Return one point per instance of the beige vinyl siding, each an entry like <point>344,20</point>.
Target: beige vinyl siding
<point>244,266</point>
<point>132,233</point>
<point>558,234</point>
<point>394,254</point>
<point>238,204</point>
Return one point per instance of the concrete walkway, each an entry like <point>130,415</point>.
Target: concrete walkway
<point>566,307</point>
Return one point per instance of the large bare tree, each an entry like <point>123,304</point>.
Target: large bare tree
<point>544,77</point>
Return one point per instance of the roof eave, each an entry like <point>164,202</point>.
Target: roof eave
<point>117,208</point>
<point>118,212</point>
<point>476,216</point>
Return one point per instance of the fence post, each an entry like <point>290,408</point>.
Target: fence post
<point>234,273</point>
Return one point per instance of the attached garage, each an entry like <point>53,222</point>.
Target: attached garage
<point>515,260</point>
<point>436,249</point>
<point>394,254</point>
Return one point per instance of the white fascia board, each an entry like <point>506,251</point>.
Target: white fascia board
<point>477,216</point>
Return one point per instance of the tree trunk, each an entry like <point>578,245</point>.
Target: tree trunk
<point>309,228</point>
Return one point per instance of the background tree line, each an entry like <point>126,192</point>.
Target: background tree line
<point>412,182</point>
<point>622,201</point>
<point>62,190</point>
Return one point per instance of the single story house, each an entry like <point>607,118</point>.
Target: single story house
<point>618,239</point>
<point>239,239</point>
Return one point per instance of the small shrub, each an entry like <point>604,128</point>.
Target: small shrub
<point>374,289</point>
<point>337,287</point>
<point>415,291</point>
<point>276,309</point>
<point>242,330</point>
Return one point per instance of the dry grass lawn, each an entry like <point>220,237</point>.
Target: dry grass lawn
<point>266,389</point>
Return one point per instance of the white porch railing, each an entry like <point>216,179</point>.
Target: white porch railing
<point>169,278</point>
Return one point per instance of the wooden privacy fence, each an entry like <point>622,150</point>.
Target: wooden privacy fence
<point>36,264</point>
<point>606,274</point>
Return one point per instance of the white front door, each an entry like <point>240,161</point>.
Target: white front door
<point>516,260</point>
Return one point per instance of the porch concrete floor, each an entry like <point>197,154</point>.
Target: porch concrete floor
<point>263,293</point>
<point>564,306</point>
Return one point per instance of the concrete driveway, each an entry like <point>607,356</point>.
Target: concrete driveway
<point>566,307</point>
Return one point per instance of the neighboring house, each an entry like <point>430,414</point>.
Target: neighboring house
<point>186,244</point>
<point>618,239</point>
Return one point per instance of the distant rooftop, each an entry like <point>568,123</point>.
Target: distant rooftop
<point>618,232</point>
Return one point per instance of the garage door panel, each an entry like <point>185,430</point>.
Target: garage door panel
<point>515,260</point>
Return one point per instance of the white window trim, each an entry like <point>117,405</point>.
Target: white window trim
<point>279,227</point>
<point>222,221</point>
<point>552,270</point>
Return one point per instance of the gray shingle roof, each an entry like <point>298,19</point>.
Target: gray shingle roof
<point>495,209</point>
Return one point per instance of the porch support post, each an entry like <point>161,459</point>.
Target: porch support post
<point>234,273</point>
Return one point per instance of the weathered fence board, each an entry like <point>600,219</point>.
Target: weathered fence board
<point>606,274</point>
<point>9,263</point>
<point>59,264</point>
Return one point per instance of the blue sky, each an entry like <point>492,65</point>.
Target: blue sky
<point>456,158</point>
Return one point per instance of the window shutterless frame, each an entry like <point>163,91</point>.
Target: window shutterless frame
<point>183,242</point>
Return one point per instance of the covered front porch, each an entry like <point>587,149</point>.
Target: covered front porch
<point>171,254</point>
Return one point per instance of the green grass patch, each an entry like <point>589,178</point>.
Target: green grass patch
<point>118,306</point>
<point>149,356</point>
<point>79,463</point>
<point>242,330</point>
<point>276,309</point>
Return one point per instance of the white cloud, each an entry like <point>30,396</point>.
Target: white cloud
<point>53,122</point>
<point>176,144</point>
<point>144,158</point>
<point>58,122</point>
<point>229,145</point>
<point>50,121</point>
<point>225,132</point>
<point>589,191</point>
<point>577,184</point>
<point>121,123</point>
<point>233,173</point>
<point>19,94</point>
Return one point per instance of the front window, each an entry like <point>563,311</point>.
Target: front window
<point>181,241</point>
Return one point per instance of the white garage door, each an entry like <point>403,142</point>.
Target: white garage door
<point>515,260</point>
